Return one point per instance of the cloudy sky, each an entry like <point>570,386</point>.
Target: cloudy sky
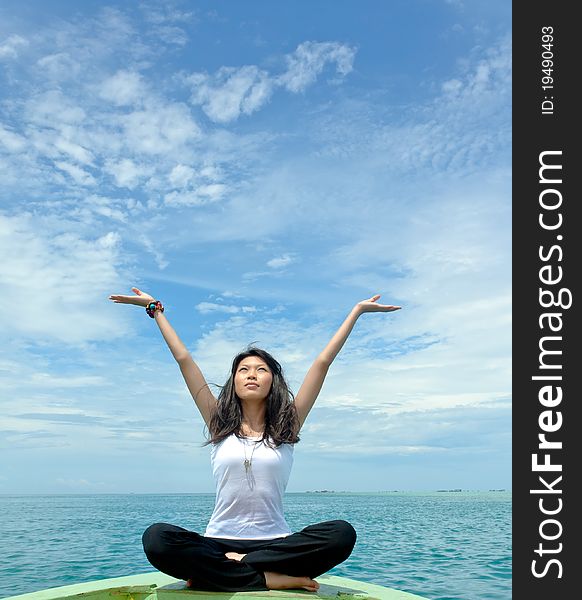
<point>260,167</point>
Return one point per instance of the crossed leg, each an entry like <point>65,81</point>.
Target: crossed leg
<point>283,563</point>
<point>279,581</point>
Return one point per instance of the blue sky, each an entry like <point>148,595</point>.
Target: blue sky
<point>260,167</point>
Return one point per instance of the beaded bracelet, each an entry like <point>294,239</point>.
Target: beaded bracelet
<point>153,306</point>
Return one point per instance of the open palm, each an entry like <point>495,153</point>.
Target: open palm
<point>140,299</point>
<point>371,305</point>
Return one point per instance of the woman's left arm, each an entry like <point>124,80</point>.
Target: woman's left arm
<point>313,382</point>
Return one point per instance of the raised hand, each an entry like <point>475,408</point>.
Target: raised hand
<point>371,305</point>
<point>140,299</point>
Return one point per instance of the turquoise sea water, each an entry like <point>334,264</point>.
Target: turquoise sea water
<point>440,545</point>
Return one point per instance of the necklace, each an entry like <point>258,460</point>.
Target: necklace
<point>248,462</point>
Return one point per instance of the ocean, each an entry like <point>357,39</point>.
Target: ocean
<point>449,545</point>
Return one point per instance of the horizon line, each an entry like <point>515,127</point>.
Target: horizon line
<point>452,490</point>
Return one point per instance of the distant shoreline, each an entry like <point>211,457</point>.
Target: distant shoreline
<point>324,492</point>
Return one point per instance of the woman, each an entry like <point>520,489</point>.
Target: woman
<point>253,426</point>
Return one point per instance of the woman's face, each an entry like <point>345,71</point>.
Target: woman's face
<point>252,379</point>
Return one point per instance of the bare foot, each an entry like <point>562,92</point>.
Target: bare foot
<point>189,583</point>
<point>278,581</point>
<point>234,555</point>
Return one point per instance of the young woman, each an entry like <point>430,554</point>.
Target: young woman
<point>253,426</point>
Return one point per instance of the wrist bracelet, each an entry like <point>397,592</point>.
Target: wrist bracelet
<point>153,306</point>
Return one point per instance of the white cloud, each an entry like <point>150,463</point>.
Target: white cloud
<point>126,172</point>
<point>159,130</point>
<point>172,35</point>
<point>125,88</point>
<point>78,175</point>
<point>281,261</point>
<point>154,250</point>
<point>452,86</point>
<point>9,47</point>
<point>13,142</point>
<point>212,307</point>
<point>462,130</point>
<point>59,67</point>
<point>308,61</point>
<point>208,307</point>
<point>49,380</point>
<point>488,75</point>
<point>53,109</point>
<point>203,194</point>
<point>213,191</point>
<point>56,272</point>
<point>181,175</point>
<point>232,92</point>
<point>74,151</point>
<point>159,14</point>
<point>94,205</point>
<point>164,20</point>
<point>110,240</point>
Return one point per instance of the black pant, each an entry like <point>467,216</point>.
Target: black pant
<point>188,555</point>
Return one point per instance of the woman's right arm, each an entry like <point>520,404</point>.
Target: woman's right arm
<point>203,397</point>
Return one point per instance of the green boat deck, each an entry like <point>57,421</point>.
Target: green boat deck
<point>157,586</point>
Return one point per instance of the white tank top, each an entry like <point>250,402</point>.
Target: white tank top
<point>249,500</point>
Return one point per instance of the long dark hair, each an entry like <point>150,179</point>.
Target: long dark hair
<point>281,420</point>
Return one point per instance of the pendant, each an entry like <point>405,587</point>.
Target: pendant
<point>247,464</point>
